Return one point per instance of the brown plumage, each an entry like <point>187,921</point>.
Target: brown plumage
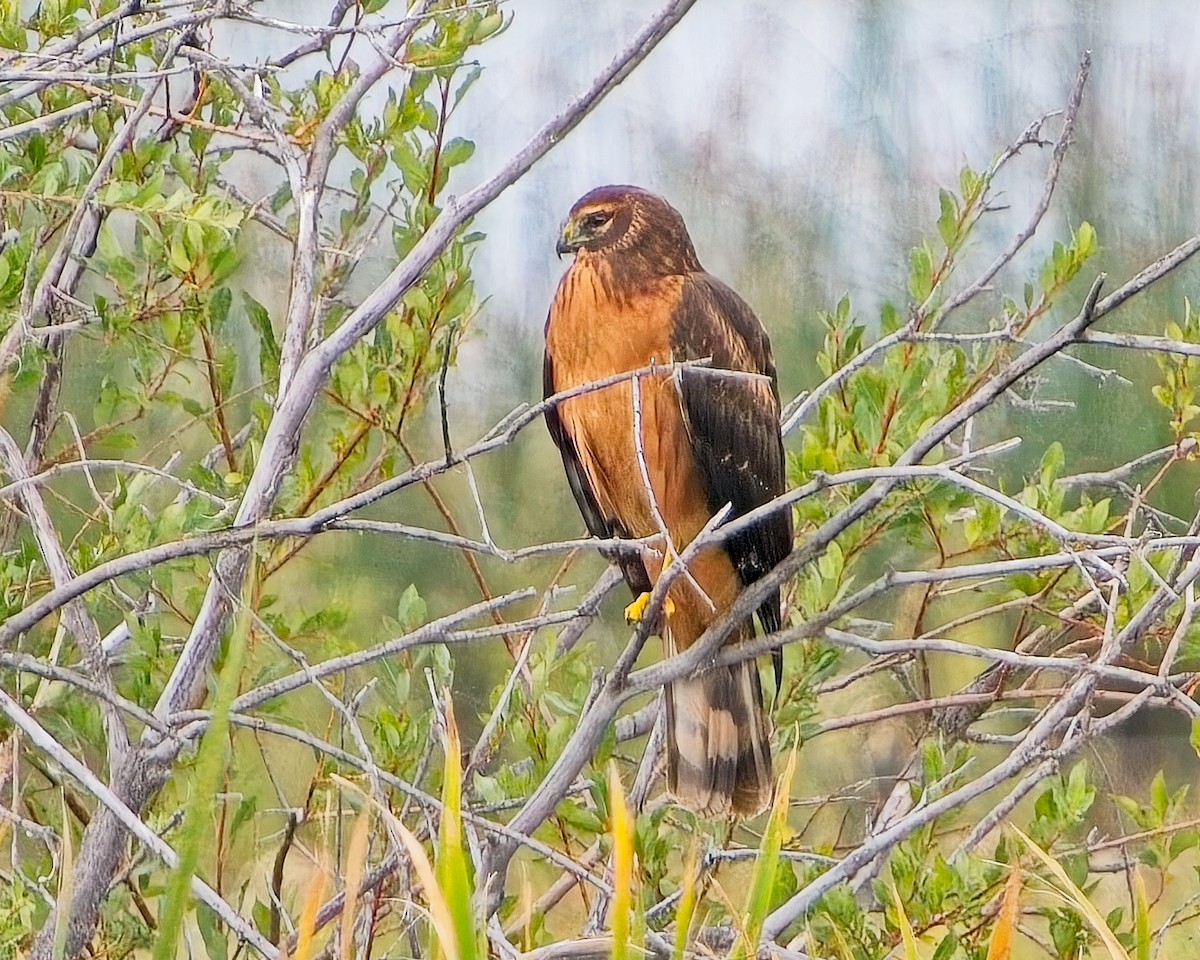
<point>636,294</point>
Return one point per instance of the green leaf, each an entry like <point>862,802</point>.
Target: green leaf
<point>948,220</point>
<point>472,75</point>
<point>458,150</point>
<point>35,150</point>
<point>1159,798</point>
<point>1052,464</point>
<point>1085,241</point>
<point>947,948</point>
<point>215,943</point>
<point>269,354</point>
<point>411,609</point>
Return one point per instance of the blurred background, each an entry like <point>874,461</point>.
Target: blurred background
<point>804,144</point>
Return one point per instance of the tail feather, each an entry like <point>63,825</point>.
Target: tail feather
<point>718,745</point>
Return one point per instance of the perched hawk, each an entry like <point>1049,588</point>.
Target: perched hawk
<point>637,295</point>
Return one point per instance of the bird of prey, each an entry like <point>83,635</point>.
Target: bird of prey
<point>658,456</point>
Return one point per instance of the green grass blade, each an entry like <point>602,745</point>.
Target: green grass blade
<point>66,887</point>
<point>687,902</point>
<point>1141,917</point>
<point>762,883</point>
<point>196,832</point>
<point>1077,897</point>
<point>453,868</point>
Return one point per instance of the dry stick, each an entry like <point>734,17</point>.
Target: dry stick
<point>38,736</point>
<point>798,413</point>
<point>25,663</point>
<point>955,721</point>
<point>1030,750</point>
<point>429,803</point>
<point>588,609</point>
<point>76,616</point>
<point>71,466</point>
<point>669,548</point>
<point>125,38</point>
<point>702,654</point>
<point>1137,341</point>
<point>1051,179</point>
<point>483,745</point>
<point>1072,743</point>
<point>642,782</point>
<point>437,631</point>
<point>1181,629</point>
<point>935,704</point>
<point>319,42</point>
<point>328,517</point>
<point>64,268</point>
<point>1161,685</point>
<point>44,124</point>
<point>301,312</point>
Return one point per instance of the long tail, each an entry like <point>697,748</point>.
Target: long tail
<point>718,744</point>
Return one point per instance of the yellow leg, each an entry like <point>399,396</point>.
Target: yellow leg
<point>636,610</point>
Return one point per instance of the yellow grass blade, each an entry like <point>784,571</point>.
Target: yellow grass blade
<point>356,860</point>
<point>1000,947</point>
<point>306,930</point>
<point>439,911</point>
<point>622,857</point>
<point>906,932</point>
<point>526,911</point>
<point>1077,897</point>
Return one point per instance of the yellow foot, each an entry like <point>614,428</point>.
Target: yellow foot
<point>635,611</point>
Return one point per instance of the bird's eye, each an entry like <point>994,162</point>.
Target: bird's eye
<point>596,220</point>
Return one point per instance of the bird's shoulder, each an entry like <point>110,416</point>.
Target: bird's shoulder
<point>712,319</point>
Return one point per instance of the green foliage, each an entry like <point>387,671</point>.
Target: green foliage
<point>18,908</point>
<point>180,348</point>
<point>180,345</point>
<point>1177,392</point>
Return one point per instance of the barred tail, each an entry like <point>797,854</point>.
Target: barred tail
<point>718,745</point>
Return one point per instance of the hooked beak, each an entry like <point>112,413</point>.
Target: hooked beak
<point>568,242</point>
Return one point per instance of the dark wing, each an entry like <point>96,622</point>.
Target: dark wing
<point>598,524</point>
<point>733,423</point>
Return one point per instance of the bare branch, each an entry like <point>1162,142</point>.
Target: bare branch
<point>969,292</point>
<point>130,820</point>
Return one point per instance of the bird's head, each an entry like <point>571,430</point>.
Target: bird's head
<point>623,220</point>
